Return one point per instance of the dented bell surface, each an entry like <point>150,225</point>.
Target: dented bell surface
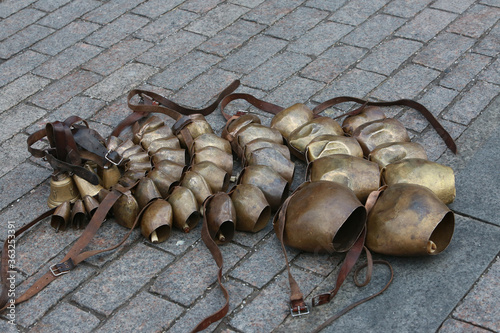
<point>156,221</point>
<point>160,133</point>
<point>303,135</point>
<point>439,178</point>
<point>197,184</point>
<point>185,208</point>
<point>126,209</point>
<point>162,181</point>
<point>322,217</point>
<point>145,192</point>
<point>221,217</point>
<point>197,126</point>
<point>109,175</point>
<point>388,153</point>
<point>257,131</point>
<point>174,170</point>
<point>61,217</point>
<point>409,220</point>
<point>131,177</point>
<point>252,209</point>
<point>291,118</point>
<point>328,144</point>
<point>171,142</point>
<point>210,140</point>
<point>373,134</point>
<point>216,178</point>
<point>141,156</point>
<point>135,149</point>
<point>168,154</point>
<point>369,114</point>
<point>218,157</point>
<point>358,174</point>
<point>150,124</point>
<point>235,125</point>
<point>62,188</point>
<point>138,166</point>
<point>265,143</point>
<point>274,187</point>
<point>124,146</point>
<point>113,143</point>
<point>273,159</point>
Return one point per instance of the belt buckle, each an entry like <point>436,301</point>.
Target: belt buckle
<point>62,268</point>
<point>298,311</point>
<point>110,160</point>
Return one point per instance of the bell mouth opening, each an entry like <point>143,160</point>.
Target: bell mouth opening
<point>160,234</point>
<point>225,233</point>
<point>442,234</point>
<point>350,230</point>
<point>58,223</point>
<point>79,221</point>
<point>264,217</point>
<point>192,220</point>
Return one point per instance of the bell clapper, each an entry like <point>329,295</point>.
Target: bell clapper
<point>234,178</point>
<point>154,237</point>
<point>186,229</point>
<point>431,247</point>
<point>220,237</point>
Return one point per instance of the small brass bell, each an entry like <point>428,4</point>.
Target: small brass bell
<point>61,217</point>
<point>78,215</point>
<point>252,210</point>
<point>216,178</point>
<point>62,188</point>
<point>91,204</point>
<point>186,212</point>
<point>156,221</point>
<point>126,209</point>
<point>221,217</point>
<point>146,192</point>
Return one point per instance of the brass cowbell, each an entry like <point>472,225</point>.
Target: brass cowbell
<point>62,188</point>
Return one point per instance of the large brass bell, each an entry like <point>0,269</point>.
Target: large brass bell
<point>168,154</point>
<point>126,209</point>
<point>257,131</point>
<point>170,168</point>
<point>291,118</point>
<point>221,218</point>
<point>274,187</point>
<point>360,175</point>
<point>216,178</point>
<point>197,184</point>
<point>409,220</point>
<point>327,144</point>
<point>265,143</point>
<point>388,153</point>
<point>303,135</point>
<point>373,134</point>
<point>321,217</point>
<point>150,124</point>
<point>62,189</point>
<point>197,126</point>
<point>273,159</point>
<point>171,142</point>
<point>156,221</point>
<point>252,209</point>
<point>162,181</point>
<point>218,157</point>
<point>210,140</point>
<point>235,125</point>
<point>160,133</point>
<point>145,192</point>
<point>369,114</point>
<point>439,178</point>
<point>185,208</point>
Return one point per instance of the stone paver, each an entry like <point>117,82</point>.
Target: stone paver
<point>60,58</point>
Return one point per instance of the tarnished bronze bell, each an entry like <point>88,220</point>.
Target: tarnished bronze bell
<point>151,124</point>
<point>162,181</point>
<point>210,140</point>
<point>252,209</point>
<point>141,156</point>
<point>170,168</point>
<point>369,114</point>
<point>264,143</point>
<point>167,154</point>
<point>126,209</point>
<point>109,175</point>
<point>125,145</point>
<point>145,192</point>
<point>102,194</point>
<point>358,174</point>
<point>321,217</point>
<point>291,118</point>
<point>373,134</point>
<point>216,178</point>
<point>61,217</point>
<point>185,208</point>
<point>257,131</point>
<point>131,177</point>
<point>135,149</point>
<point>78,215</point>
<point>388,153</point>
<point>171,142</point>
<point>274,187</point>
<point>197,184</point>
<point>303,135</point>
<point>156,221</point>
<point>324,145</point>
<point>439,178</point>
<point>235,125</point>
<point>160,133</point>
<point>273,159</point>
<point>196,127</point>
<point>218,157</point>
<point>91,205</point>
<point>221,218</point>
<point>138,166</point>
<point>113,143</point>
<point>86,188</point>
<point>62,188</point>
<point>409,220</point>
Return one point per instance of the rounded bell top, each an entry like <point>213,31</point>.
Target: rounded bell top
<point>392,152</point>
<point>378,132</point>
<point>324,145</point>
<point>303,135</point>
<point>291,118</point>
<point>369,114</point>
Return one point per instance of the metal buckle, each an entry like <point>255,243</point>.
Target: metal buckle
<point>110,160</point>
<point>62,268</point>
<point>320,300</point>
<point>299,311</point>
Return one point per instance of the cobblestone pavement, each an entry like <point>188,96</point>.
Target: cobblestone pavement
<point>62,57</point>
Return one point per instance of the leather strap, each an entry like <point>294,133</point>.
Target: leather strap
<point>74,255</point>
<point>258,103</point>
<point>217,255</point>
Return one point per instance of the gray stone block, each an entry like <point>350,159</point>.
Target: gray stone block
<point>49,5</point>
<point>490,44</point>
<point>68,13</point>
<point>427,24</point>
<point>217,19</point>
<point>295,90</point>
<point>23,39</point>
<point>271,11</point>
<point>466,70</point>
<point>20,65</point>
<point>111,10</point>
<point>9,8</point>
<point>18,21</point>
<point>15,120</point>
<point>20,89</point>
<point>492,73</point>
<point>166,25</point>
<point>65,315</point>
<point>155,8</point>
<point>373,31</point>
<point>455,326</point>
<point>13,152</point>
<point>406,8</point>
<point>475,21</point>
<point>357,11</point>
<point>331,5</point>
<point>295,24</point>
<point>456,6</point>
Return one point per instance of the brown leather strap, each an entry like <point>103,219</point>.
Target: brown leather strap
<point>74,255</point>
<point>450,143</point>
<point>258,103</point>
<point>217,255</point>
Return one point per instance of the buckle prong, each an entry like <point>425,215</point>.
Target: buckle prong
<point>298,311</point>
